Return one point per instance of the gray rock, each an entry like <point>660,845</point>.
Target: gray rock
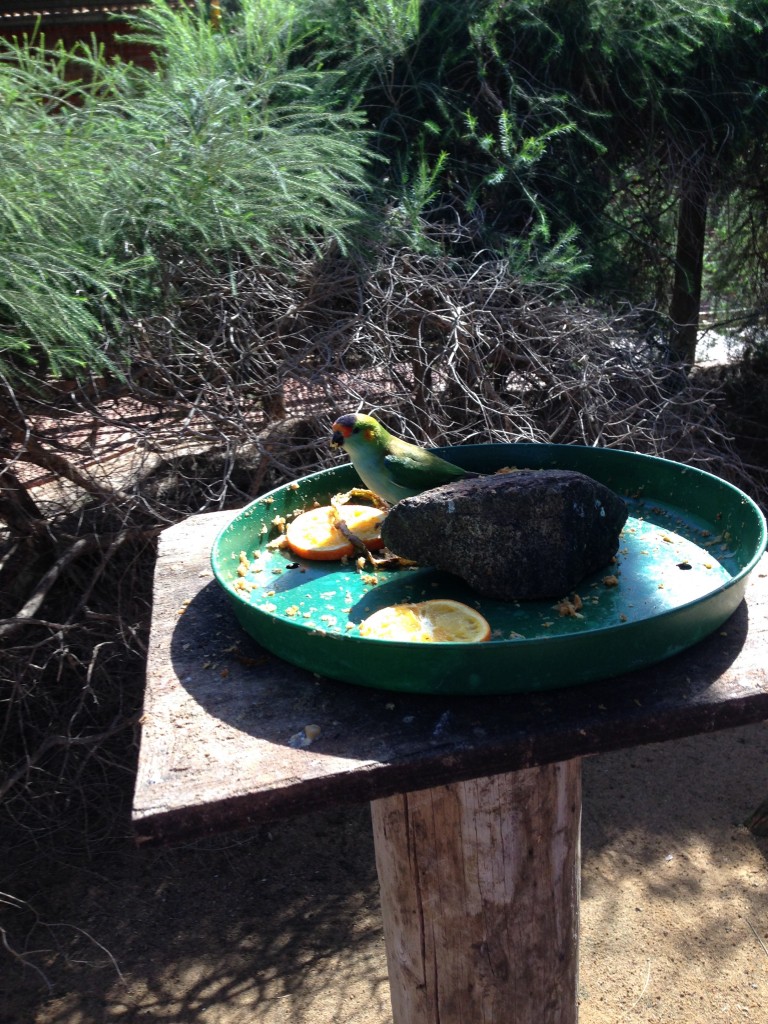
<point>521,535</point>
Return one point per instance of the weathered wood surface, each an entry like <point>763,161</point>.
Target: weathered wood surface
<point>219,712</point>
<point>480,898</point>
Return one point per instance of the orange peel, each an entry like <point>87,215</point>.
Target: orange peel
<point>314,534</point>
<point>439,620</point>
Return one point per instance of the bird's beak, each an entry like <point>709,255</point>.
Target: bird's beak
<point>337,439</point>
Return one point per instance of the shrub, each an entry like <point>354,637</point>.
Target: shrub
<point>108,167</point>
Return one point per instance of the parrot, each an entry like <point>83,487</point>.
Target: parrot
<point>391,468</point>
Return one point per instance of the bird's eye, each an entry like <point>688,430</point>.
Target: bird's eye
<point>356,430</point>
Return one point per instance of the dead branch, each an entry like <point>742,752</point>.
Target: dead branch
<point>62,467</point>
<point>53,741</point>
<point>17,507</point>
<point>33,603</point>
<point>77,549</point>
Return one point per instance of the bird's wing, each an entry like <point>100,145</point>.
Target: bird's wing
<point>422,472</point>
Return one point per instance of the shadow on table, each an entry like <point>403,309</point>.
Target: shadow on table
<point>241,684</point>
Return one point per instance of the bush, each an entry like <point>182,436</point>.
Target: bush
<point>108,168</point>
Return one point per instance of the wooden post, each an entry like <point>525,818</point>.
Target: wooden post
<point>480,898</point>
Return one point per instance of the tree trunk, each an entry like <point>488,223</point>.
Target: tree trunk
<point>689,261</point>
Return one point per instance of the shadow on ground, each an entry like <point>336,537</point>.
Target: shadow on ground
<point>255,926</point>
<point>280,925</point>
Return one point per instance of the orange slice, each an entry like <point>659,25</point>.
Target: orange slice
<point>439,620</point>
<point>314,534</point>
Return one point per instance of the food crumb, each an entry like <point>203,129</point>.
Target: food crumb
<point>278,543</point>
<point>570,606</point>
<point>306,736</point>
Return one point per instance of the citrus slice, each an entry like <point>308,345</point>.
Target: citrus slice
<point>439,620</point>
<point>314,533</point>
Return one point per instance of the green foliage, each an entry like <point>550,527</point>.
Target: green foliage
<point>363,37</point>
<point>418,191</point>
<point>454,121</point>
<point>557,133</point>
<point>736,274</point>
<point>240,150</point>
<point>57,279</point>
<point>106,167</point>
<point>538,258</point>
<point>555,120</point>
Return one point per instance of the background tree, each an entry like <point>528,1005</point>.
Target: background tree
<point>550,123</point>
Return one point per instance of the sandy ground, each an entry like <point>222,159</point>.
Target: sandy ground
<point>280,925</point>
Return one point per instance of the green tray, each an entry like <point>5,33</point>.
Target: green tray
<point>688,547</point>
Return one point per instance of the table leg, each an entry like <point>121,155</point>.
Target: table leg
<point>480,898</point>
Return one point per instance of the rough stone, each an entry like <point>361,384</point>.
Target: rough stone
<point>527,534</point>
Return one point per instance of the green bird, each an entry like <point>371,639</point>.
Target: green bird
<point>389,467</point>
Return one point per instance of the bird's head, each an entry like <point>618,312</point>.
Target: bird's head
<point>356,431</point>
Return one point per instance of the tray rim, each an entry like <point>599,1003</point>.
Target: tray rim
<point>530,645</point>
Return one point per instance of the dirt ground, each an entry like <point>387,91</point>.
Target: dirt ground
<point>280,925</point>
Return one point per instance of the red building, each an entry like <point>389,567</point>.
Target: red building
<point>70,21</point>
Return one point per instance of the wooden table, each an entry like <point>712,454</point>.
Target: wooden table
<point>476,802</point>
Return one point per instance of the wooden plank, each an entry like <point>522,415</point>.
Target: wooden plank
<point>220,712</point>
<point>480,898</point>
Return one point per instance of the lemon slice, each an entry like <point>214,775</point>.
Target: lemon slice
<point>314,533</point>
<point>439,620</point>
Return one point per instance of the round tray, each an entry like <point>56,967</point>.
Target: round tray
<point>686,551</point>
